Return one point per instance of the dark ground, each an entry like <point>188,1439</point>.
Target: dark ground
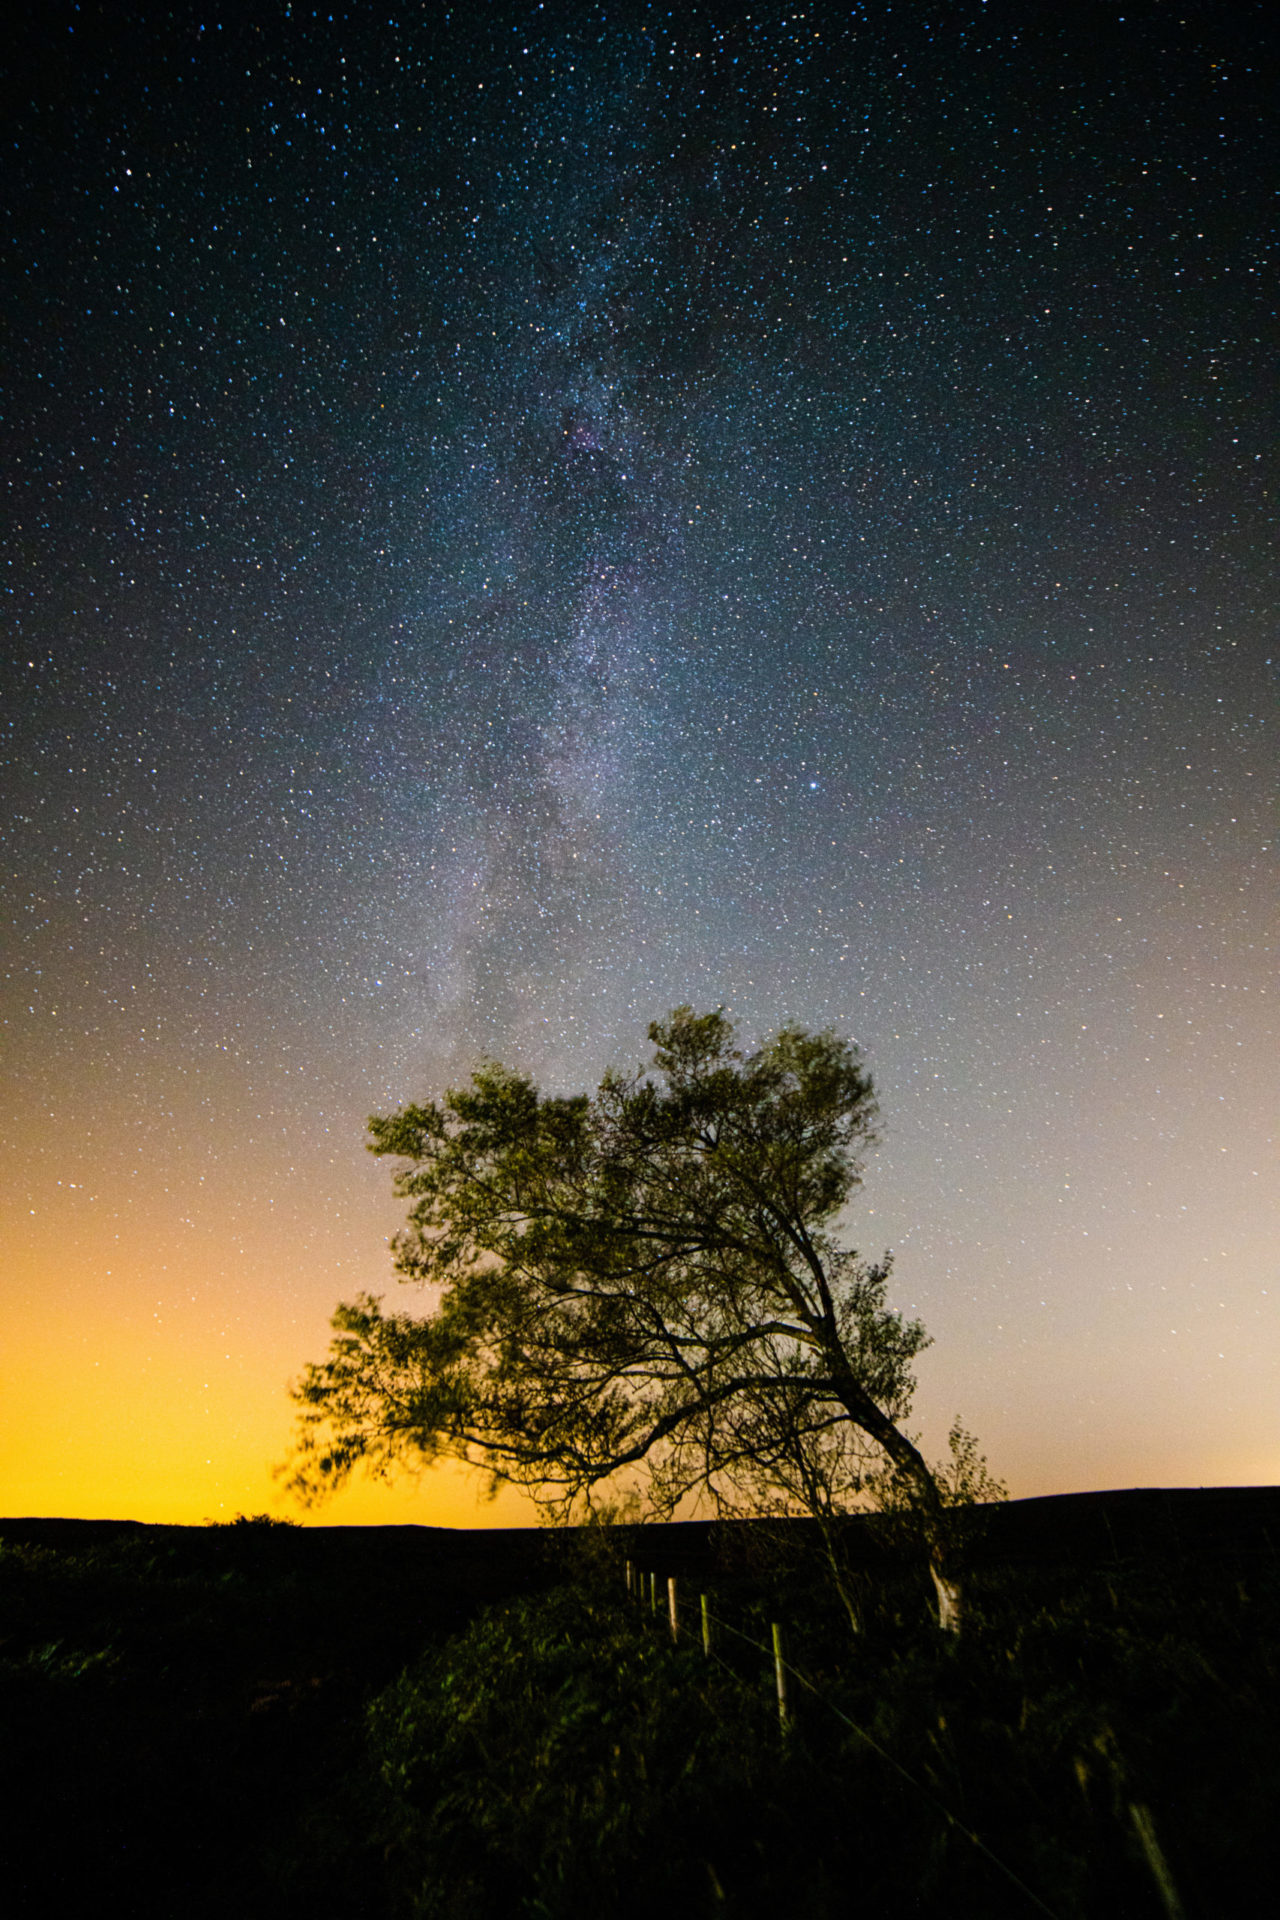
<point>183,1708</point>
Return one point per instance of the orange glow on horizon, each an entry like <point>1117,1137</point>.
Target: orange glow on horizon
<point>163,1285</point>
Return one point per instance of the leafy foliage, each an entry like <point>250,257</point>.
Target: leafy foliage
<point>562,1756</point>
<point>554,1760</point>
<point>648,1280</point>
<point>209,1721</point>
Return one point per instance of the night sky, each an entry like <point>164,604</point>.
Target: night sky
<point>520,517</point>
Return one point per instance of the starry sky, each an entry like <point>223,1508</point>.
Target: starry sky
<point>523,516</point>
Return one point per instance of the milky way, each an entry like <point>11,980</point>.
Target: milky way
<point>519,521</point>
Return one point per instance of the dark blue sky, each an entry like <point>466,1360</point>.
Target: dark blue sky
<point>517,522</point>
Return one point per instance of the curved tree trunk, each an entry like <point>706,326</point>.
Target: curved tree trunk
<point>913,1467</point>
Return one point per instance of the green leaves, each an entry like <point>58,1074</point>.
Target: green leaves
<point>644,1281</point>
<point>554,1754</point>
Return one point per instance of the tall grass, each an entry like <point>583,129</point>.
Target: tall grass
<point>562,1754</point>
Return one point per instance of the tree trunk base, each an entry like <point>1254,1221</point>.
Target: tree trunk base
<point>950,1611</point>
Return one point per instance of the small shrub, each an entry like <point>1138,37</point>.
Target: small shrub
<point>561,1757</point>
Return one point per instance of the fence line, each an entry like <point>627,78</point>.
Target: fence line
<point>783,1667</point>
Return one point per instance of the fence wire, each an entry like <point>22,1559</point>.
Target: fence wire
<point>952,1819</point>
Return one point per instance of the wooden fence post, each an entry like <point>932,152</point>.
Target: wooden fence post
<point>1145,1828</point>
<point>706,1628</point>
<point>672,1608</point>
<point>627,1565</point>
<point>780,1674</point>
<point>653,1592</point>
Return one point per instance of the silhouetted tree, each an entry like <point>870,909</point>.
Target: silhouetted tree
<point>646,1283</point>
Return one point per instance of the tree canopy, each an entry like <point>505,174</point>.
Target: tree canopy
<point>646,1283</point>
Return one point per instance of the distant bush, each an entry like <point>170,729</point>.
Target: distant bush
<point>255,1520</point>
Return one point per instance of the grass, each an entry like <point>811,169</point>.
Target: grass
<point>563,1752</point>
<point>261,1720</point>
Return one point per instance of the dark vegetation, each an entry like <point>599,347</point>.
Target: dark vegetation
<point>261,1719</point>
